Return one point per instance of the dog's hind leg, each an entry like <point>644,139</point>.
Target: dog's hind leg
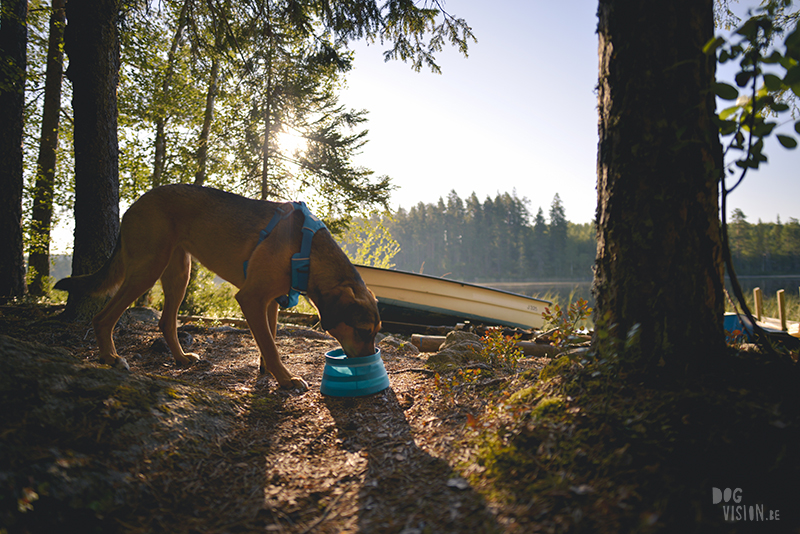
<point>136,282</point>
<point>174,282</point>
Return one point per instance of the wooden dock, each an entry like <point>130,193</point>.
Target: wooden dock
<point>782,322</point>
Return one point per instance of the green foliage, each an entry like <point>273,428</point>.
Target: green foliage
<point>38,32</point>
<point>567,322</point>
<point>280,66</point>
<point>369,242</point>
<point>498,354</point>
<point>770,79</point>
<point>766,79</point>
<point>210,298</point>
<point>206,296</point>
<point>500,351</point>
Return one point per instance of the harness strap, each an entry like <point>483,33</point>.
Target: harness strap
<point>301,262</point>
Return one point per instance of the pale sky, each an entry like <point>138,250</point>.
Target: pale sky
<point>519,114</point>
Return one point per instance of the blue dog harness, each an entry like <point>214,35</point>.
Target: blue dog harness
<point>301,264</point>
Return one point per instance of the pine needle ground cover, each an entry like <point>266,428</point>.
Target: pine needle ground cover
<point>496,443</point>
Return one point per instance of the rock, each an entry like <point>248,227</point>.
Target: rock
<point>458,349</point>
<point>141,314</point>
<point>160,344</point>
<point>396,347</point>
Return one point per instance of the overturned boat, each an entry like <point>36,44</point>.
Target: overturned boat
<point>418,298</point>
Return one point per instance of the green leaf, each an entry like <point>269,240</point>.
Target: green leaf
<point>726,91</point>
<point>774,57</point>
<point>792,76</point>
<point>787,141</point>
<point>792,42</point>
<point>727,127</point>
<point>787,63</point>
<point>763,129</point>
<point>749,29</point>
<point>779,107</point>
<point>772,82</point>
<point>712,45</point>
<point>797,127</point>
<point>742,78</point>
<point>727,112</point>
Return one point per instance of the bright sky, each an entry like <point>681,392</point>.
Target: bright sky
<point>519,113</point>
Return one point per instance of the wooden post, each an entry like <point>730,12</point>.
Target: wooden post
<point>782,309</point>
<point>758,299</point>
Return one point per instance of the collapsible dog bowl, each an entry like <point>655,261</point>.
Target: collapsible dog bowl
<point>353,377</point>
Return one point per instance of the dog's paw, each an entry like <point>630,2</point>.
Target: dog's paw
<point>190,358</point>
<point>296,383</point>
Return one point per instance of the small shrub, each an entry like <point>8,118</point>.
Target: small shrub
<point>568,321</point>
<point>499,351</point>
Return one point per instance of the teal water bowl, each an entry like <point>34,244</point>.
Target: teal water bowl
<point>353,377</point>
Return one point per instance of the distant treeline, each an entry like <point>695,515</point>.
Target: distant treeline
<point>496,239</point>
<point>764,248</point>
<point>500,240</point>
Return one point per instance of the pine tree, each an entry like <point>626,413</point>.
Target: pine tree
<point>44,188</point>
<point>557,237</point>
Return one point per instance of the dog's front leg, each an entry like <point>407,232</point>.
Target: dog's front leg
<point>255,310</point>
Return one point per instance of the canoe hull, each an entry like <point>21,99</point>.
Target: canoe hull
<point>407,294</point>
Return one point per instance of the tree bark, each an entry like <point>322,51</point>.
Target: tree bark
<point>13,64</point>
<point>659,262</point>
<point>92,44</point>
<point>265,185</point>
<point>39,256</point>
<point>208,117</point>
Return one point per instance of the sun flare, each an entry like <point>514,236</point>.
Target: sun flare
<point>289,143</point>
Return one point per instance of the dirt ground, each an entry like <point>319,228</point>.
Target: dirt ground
<point>298,462</point>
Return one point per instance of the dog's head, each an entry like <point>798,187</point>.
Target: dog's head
<point>350,314</point>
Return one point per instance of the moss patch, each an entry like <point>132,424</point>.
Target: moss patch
<point>586,454</point>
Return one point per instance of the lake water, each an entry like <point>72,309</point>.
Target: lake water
<point>769,284</point>
<point>567,290</point>
<point>561,290</point>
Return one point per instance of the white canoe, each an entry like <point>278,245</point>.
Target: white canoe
<point>430,294</point>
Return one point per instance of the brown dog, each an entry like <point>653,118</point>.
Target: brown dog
<point>168,225</point>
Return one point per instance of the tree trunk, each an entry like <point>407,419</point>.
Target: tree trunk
<point>13,63</point>
<point>659,263</point>
<point>92,43</point>
<point>208,117</point>
<point>161,124</point>
<point>265,186</point>
<point>39,258</point>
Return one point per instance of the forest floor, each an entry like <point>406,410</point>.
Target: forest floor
<point>218,448</point>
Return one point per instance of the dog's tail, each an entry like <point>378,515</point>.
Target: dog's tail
<point>104,281</point>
